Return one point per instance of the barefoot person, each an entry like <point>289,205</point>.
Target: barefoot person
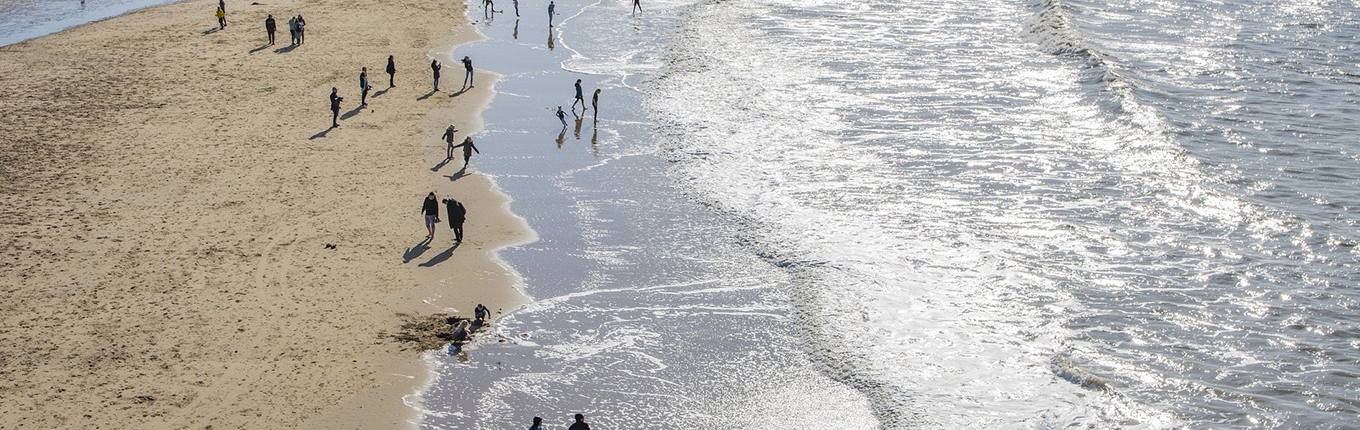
<point>552,10</point>
<point>579,98</point>
<point>637,6</point>
<point>595,104</point>
<point>562,116</point>
<point>430,208</point>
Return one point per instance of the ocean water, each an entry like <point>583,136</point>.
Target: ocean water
<point>21,20</point>
<point>926,214</point>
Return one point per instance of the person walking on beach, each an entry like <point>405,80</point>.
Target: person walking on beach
<point>562,116</point>
<point>335,107</point>
<point>292,31</point>
<point>431,210</point>
<point>221,18</point>
<point>457,213</point>
<point>448,139</point>
<point>595,104</point>
<point>363,86</point>
<point>391,72</point>
<point>637,6</point>
<point>579,98</point>
<point>468,147</point>
<point>467,76</point>
<point>552,10</point>
<point>269,27</point>
<point>580,423</point>
<point>538,424</point>
<point>222,4</point>
<point>434,67</point>
<point>302,29</point>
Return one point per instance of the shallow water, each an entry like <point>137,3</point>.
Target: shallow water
<point>21,20</point>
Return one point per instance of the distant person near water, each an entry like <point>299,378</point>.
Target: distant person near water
<point>481,313</point>
<point>552,10</point>
<point>579,98</point>
<point>457,214</point>
<point>221,18</point>
<point>391,72</point>
<point>448,139</point>
<point>434,67</point>
<point>363,86</point>
<point>302,29</point>
<point>516,2</point>
<point>637,6</point>
<point>430,208</point>
<point>467,76</point>
<point>468,147</point>
<point>538,424</point>
<point>595,104</point>
<point>580,423</point>
<point>335,107</point>
<point>269,27</point>
<point>562,116</point>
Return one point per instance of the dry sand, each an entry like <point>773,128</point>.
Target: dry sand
<point>167,193</point>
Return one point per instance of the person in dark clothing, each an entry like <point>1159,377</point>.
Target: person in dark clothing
<point>481,312</point>
<point>580,423</point>
<point>269,27</point>
<point>335,107</point>
<point>538,424</point>
<point>468,147</point>
<point>302,29</point>
<point>562,116</point>
<point>222,4</point>
<point>391,72</point>
<point>434,67</point>
<point>457,214</point>
<point>467,78</point>
<point>431,210</point>
<point>595,104</point>
<point>363,86</point>
<point>579,98</point>
<point>637,6</point>
<point>552,10</point>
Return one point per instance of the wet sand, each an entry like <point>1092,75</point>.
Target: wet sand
<point>169,191</point>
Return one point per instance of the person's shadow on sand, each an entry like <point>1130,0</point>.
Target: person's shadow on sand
<point>440,165</point>
<point>457,175</point>
<point>426,96</point>
<point>441,257</point>
<point>413,252</point>
<point>460,92</point>
<point>352,112</point>
<point>210,31</point>
<point>381,92</point>
<point>321,134</point>
<point>258,49</point>
<point>285,50</point>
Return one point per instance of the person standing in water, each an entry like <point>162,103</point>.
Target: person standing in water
<point>391,72</point>
<point>363,86</point>
<point>269,27</point>
<point>516,2</point>
<point>595,104</point>
<point>434,67</point>
<point>562,116</point>
<point>468,147</point>
<point>637,6</point>
<point>579,98</point>
<point>552,10</point>
<point>467,76</point>
<point>430,208</point>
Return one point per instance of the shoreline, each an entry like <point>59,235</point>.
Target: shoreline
<point>170,190</point>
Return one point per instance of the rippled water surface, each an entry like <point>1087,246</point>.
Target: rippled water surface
<point>929,214</point>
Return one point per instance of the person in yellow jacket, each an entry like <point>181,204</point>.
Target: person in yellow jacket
<point>221,18</point>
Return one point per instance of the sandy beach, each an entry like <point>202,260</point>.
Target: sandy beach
<point>169,194</point>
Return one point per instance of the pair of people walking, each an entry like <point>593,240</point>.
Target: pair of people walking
<point>580,423</point>
<point>296,25</point>
<point>456,212</point>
